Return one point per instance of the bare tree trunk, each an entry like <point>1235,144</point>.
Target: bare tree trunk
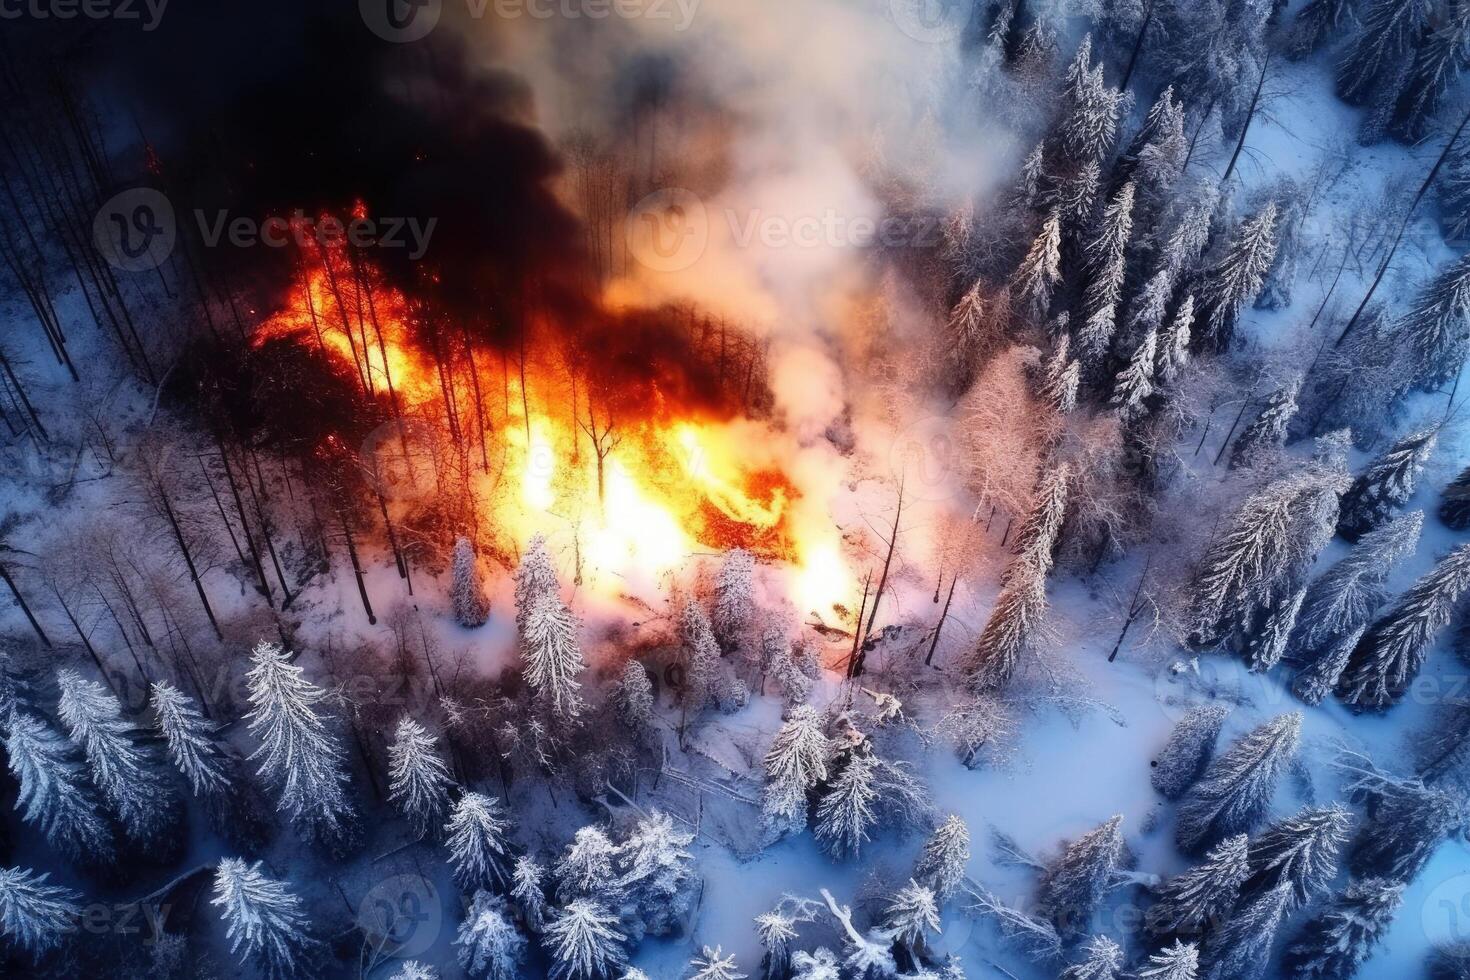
<point>21,601</point>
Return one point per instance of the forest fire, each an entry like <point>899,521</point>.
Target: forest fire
<point>542,456</point>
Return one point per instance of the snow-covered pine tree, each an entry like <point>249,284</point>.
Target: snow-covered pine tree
<point>1174,348</point>
<point>586,869</point>
<point>778,661</point>
<point>527,893</point>
<point>264,921</point>
<point>702,660</point>
<point>1107,264</point>
<point>1036,539</point>
<point>1439,60</point>
<point>476,837</point>
<point>1407,822</point>
<point>657,873</point>
<point>1301,850</point>
<point>298,754</point>
<point>1315,23</point>
<point>1041,269</point>
<point>419,779</point>
<point>968,325</point>
<point>1264,437</point>
<point>1454,509</point>
<point>1236,278</point>
<point>1450,961</point>
<point>777,931</point>
<point>1241,948</point>
<point>1436,330</point>
<point>54,792</point>
<point>1007,634</point>
<point>634,697</point>
<point>471,608</point>
<point>1033,175</point>
<point>1072,886</point>
<point>1165,147</point>
<point>1090,115</point>
<point>1265,648</point>
<point>1192,905</point>
<point>129,779</point>
<point>819,964</point>
<point>713,964</point>
<point>795,764</point>
<point>1454,194</point>
<point>490,945</point>
<point>34,915</point>
<point>1075,197</point>
<point>1388,32</point>
<point>1177,962</point>
<point>584,943</point>
<point>414,970</point>
<point>734,597</point>
<point>1344,598</point>
<point>1102,959</point>
<point>1385,485</point>
<point>534,576</point>
<point>1235,792</point>
<point>1389,655</point>
<point>1135,382</point>
<point>848,812</point>
<point>1335,942</point>
<point>1188,751</point>
<point>912,914</point>
<point>1183,247</point>
<point>194,746</point>
<point>1063,378</point>
<point>1150,306</point>
<point>552,656</point>
<point>1318,679</point>
<point>945,857</point>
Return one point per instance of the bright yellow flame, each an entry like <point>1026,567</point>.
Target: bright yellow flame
<point>540,468</point>
<point>822,579</point>
<point>635,531</point>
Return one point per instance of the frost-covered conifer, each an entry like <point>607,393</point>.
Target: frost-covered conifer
<point>491,947</point>
<point>968,323</point>
<point>128,778</point>
<point>1036,539</point>
<point>795,764</point>
<point>1151,306</point>
<point>1033,174</point>
<point>552,656</point>
<point>1072,887</point>
<point>534,576</point>
<point>911,915</point>
<point>1186,241</point>
<point>1388,32</point>
<point>734,596</point>
<point>1007,634</point>
<point>414,970</point>
<point>586,869</point>
<point>1102,960</point>
<point>1436,329</point>
<point>1241,948</point>
<point>1236,789</point>
<point>1236,278</point>
<point>583,943</point>
<point>1316,22</point>
<point>1454,510</point>
<point>1385,485</point>
<point>527,893</point>
<point>1315,681</point>
<point>1265,436</point>
<point>1136,381</point>
<point>702,664</point>
<point>713,964</point>
<point>194,746</point>
<point>777,931</point>
<point>635,697</point>
<point>1454,194</point>
<point>1174,347</point>
<point>1407,821</point>
<point>264,921</point>
<point>1090,121</point>
<point>54,794</point>
<point>1188,751</point>
<point>1107,261</point>
<point>1194,903</point>
<point>1343,598</point>
<point>657,873</point>
<point>778,661</point>
<point>471,608</point>
<point>1301,850</point>
<point>945,857</point>
<point>1041,269</point>
<point>1389,655</point>
<point>1063,380</point>
<point>1265,648</point>
<point>419,779</point>
<point>298,754</point>
<point>1177,962</point>
<point>34,915</point>
<point>1336,942</point>
<point>1076,195</point>
<point>819,964</point>
<point>476,839</point>
<point>849,811</point>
